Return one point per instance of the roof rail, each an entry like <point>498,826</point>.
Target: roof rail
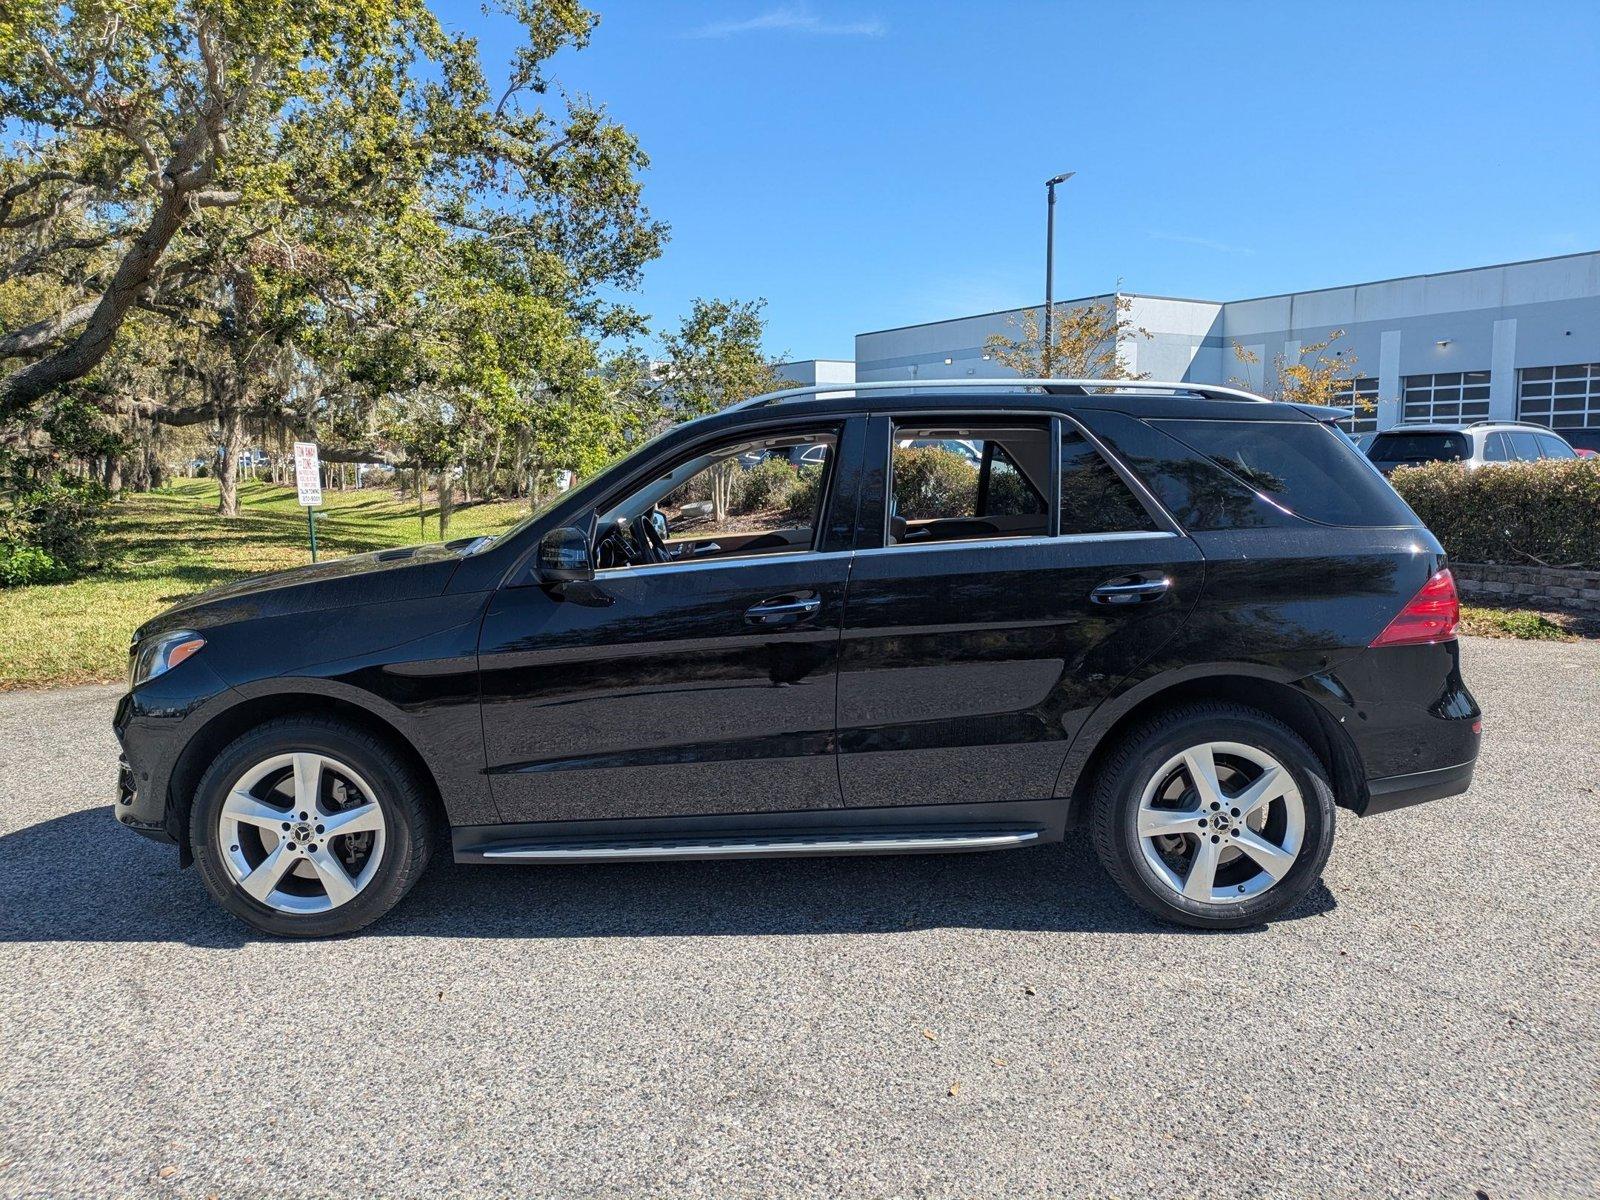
<point>1523,424</point>
<point>1058,387</point>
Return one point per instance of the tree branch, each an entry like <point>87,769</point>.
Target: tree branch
<point>33,340</point>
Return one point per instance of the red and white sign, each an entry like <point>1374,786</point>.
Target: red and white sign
<point>307,474</point>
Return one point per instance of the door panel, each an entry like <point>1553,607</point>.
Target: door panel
<point>651,692</point>
<point>967,667</point>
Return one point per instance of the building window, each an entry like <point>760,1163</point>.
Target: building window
<point>1451,399</point>
<point>1362,396</point>
<point>1561,397</point>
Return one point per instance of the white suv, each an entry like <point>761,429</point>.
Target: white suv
<point>1483,443</point>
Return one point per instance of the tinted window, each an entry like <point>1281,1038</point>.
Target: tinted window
<point>1554,447</point>
<point>1298,466</point>
<point>1008,494</point>
<point>1495,449</point>
<point>1093,497</point>
<point>1525,446</point>
<point>1420,447</point>
<point>1197,492</point>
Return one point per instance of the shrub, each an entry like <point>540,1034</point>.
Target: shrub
<point>378,477</point>
<point>767,485</point>
<point>61,517</point>
<point>1546,513</point>
<point>807,492</point>
<point>21,565</point>
<point>932,482</point>
<point>1010,495</point>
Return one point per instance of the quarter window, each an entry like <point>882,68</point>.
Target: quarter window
<point>1449,399</point>
<point>1561,397</point>
<point>1554,447</point>
<point>1299,467</point>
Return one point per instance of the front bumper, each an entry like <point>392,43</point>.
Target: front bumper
<point>153,724</point>
<point>134,814</point>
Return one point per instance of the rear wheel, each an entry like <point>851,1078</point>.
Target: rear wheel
<point>307,827</point>
<point>1214,815</point>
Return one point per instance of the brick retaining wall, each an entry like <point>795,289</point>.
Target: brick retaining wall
<point>1529,587</point>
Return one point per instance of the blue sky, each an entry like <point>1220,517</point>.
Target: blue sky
<point>863,165</point>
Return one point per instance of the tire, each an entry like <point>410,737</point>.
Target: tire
<point>327,883</point>
<point>1157,835</point>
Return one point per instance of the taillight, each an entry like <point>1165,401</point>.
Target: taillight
<point>1432,615</point>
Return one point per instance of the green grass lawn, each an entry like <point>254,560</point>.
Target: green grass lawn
<point>163,546</point>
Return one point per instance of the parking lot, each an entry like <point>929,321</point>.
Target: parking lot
<point>1426,1024</point>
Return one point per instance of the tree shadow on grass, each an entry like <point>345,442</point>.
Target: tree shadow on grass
<point>83,878</point>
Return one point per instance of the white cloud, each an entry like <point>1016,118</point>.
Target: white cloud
<point>1203,242</point>
<point>791,19</point>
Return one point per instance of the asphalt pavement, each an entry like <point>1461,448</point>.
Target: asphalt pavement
<point>1425,1024</point>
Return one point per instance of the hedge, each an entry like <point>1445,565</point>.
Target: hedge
<point>1545,513</point>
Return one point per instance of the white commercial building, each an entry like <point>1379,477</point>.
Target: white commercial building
<point>1519,341</point>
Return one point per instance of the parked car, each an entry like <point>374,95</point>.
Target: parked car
<point>960,447</point>
<point>795,456</point>
<point>1586,442</point>
<point>1200,624</point>
<point>1482,443</point>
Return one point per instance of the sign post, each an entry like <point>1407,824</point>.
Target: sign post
<point>308,480</point>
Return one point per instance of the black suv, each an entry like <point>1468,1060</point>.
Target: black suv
<point>1192,620</point>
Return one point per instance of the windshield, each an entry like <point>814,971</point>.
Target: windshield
<point>1438,446</point>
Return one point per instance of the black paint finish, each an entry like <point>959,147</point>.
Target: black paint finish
<point>926,687</point>
<point>649,692</point>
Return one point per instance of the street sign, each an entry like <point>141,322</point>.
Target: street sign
<point>308,479</point>
<point>307,474</point>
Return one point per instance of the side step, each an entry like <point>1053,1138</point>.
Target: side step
<point>757,847</point>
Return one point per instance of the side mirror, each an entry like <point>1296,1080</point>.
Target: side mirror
<point>564,556</point>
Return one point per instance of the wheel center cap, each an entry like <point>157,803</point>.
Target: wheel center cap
<point>302,833</point>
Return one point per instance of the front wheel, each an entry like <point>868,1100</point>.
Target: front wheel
<point>307,827</point>
<point>1214,815</point>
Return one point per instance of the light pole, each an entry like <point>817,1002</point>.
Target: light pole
<point>1050,265</point>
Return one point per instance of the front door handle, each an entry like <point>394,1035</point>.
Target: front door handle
<point>1131,591</point>
<point>782,612</point>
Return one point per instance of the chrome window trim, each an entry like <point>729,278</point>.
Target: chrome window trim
<point>714,564</point>
<point>1064,539</point>
<point>1142,493</point>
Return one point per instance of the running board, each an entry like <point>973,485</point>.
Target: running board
<point>762,847</point>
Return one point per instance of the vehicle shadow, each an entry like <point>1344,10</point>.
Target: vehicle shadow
<point>82,878</point>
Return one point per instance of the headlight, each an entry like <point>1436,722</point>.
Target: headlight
<point>160,654</point>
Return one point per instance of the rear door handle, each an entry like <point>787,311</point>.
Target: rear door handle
<point>780,612</point>
<point>1131,591</point>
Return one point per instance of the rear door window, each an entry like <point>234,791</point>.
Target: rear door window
<point>1397,448</point>
<point>1093,497</point>
<point>957,479</point>
<point>1297,466</point>
<point>1495,448</point>
<point>1525,445</point>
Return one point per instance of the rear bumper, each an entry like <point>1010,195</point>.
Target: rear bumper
<point>1401,791</point>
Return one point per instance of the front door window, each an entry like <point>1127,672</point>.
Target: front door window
<point>738,499</point>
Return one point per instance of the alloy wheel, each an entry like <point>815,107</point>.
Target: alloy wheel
<point>1221,822</point>
<point>301,833</point>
